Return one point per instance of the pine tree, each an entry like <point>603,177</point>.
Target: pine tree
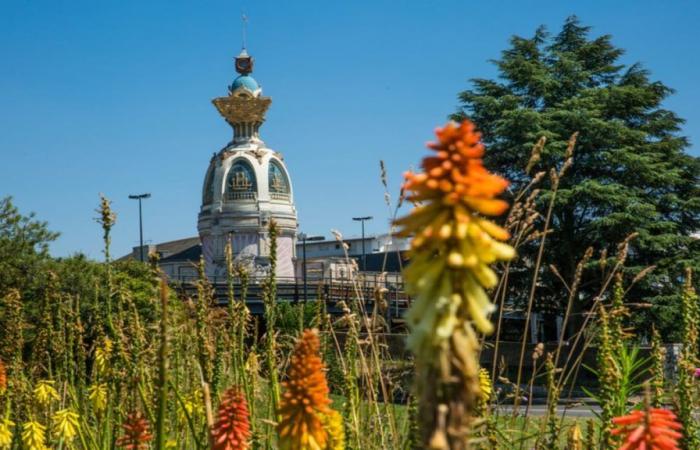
<point>630,170</point>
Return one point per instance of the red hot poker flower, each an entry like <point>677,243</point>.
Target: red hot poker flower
<point>136,434</point>
<point>232,429</point>
<point>653,429</point>
<point>3,378</point>
<point>305,400</point>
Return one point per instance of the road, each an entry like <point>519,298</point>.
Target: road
<point>541,410</point>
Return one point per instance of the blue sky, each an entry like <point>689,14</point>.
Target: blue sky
<point>114,96</point>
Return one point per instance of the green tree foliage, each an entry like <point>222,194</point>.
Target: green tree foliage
<point>24,247</point>
<point>630,170</point>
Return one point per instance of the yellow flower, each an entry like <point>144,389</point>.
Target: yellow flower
<point>97,394</point>
<point>333,423</point>
<point>575,438</point>
<point>65,425</point>
<point>102,355</point>
<point>34,436</point>
<point>485,384</point>
<point>6,426</point>
<point>305,400</point>
<point>193,407</point>
<point>44,392</point>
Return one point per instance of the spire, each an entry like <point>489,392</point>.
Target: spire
<point>244,30</point>
<point>244,62</point>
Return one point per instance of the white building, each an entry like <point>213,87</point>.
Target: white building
<point>382,243</point>
<point>246,186</point>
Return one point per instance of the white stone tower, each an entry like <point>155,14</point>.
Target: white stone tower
<point>246,186</point>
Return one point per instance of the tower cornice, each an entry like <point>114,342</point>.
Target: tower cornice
<point>242,109</point>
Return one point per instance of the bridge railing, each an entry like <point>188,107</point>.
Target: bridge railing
<point>364,287</point>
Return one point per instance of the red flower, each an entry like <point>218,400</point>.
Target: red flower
<point>232,428</point>
<point>653,429</point>
<point>3,378</point>
<point>136,434</point>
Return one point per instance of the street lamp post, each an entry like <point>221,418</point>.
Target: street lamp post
<point>364,255</point>
<point>304,237</point>
<point>140,197</point>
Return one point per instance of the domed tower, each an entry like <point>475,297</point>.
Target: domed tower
<point>246,186</point>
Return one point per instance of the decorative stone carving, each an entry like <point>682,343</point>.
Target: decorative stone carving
<point>258,153</point>
<point>242,109</point>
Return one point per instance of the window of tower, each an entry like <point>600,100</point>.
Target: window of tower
<point>208,195</point>
<point>240,183</point>
<point>278,185</point>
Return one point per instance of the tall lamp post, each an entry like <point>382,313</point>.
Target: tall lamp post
<point>364,255</point>
<point>140,197</point>
<point>304,237</point>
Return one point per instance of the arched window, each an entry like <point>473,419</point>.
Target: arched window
<point>278,185</point>
<point>208,195</point>
<point>240,183</point>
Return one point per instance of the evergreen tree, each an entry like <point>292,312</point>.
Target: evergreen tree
<point>630,170</point>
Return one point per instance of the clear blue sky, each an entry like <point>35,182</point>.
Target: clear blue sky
<point>114,97</point>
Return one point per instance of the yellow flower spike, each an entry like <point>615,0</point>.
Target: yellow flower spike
<point>102,356</point>
<point>333,423</point>
<point>97,394</point>
<point>34,436</point>
<point>485,384</point>
<point>44,392</point>
<point>6,426</point>
<point>65,425</point>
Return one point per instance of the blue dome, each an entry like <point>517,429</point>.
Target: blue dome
<point>245,81</point>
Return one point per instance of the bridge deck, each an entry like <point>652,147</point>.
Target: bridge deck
<point>294,291</point>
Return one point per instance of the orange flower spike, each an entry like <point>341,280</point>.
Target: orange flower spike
<point>305,400</point>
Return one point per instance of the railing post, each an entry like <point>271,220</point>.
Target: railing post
<point>296,290</point>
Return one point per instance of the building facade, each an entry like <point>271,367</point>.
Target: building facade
<point>246,186</point>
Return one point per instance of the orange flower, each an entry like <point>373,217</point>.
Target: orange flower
<point>654,429</point>
<point>3,378</point>
<point>453,244</point>
<point>136,434</point>
<point>456,174</point>
<point>305,400</point>
<point>232,429</point>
